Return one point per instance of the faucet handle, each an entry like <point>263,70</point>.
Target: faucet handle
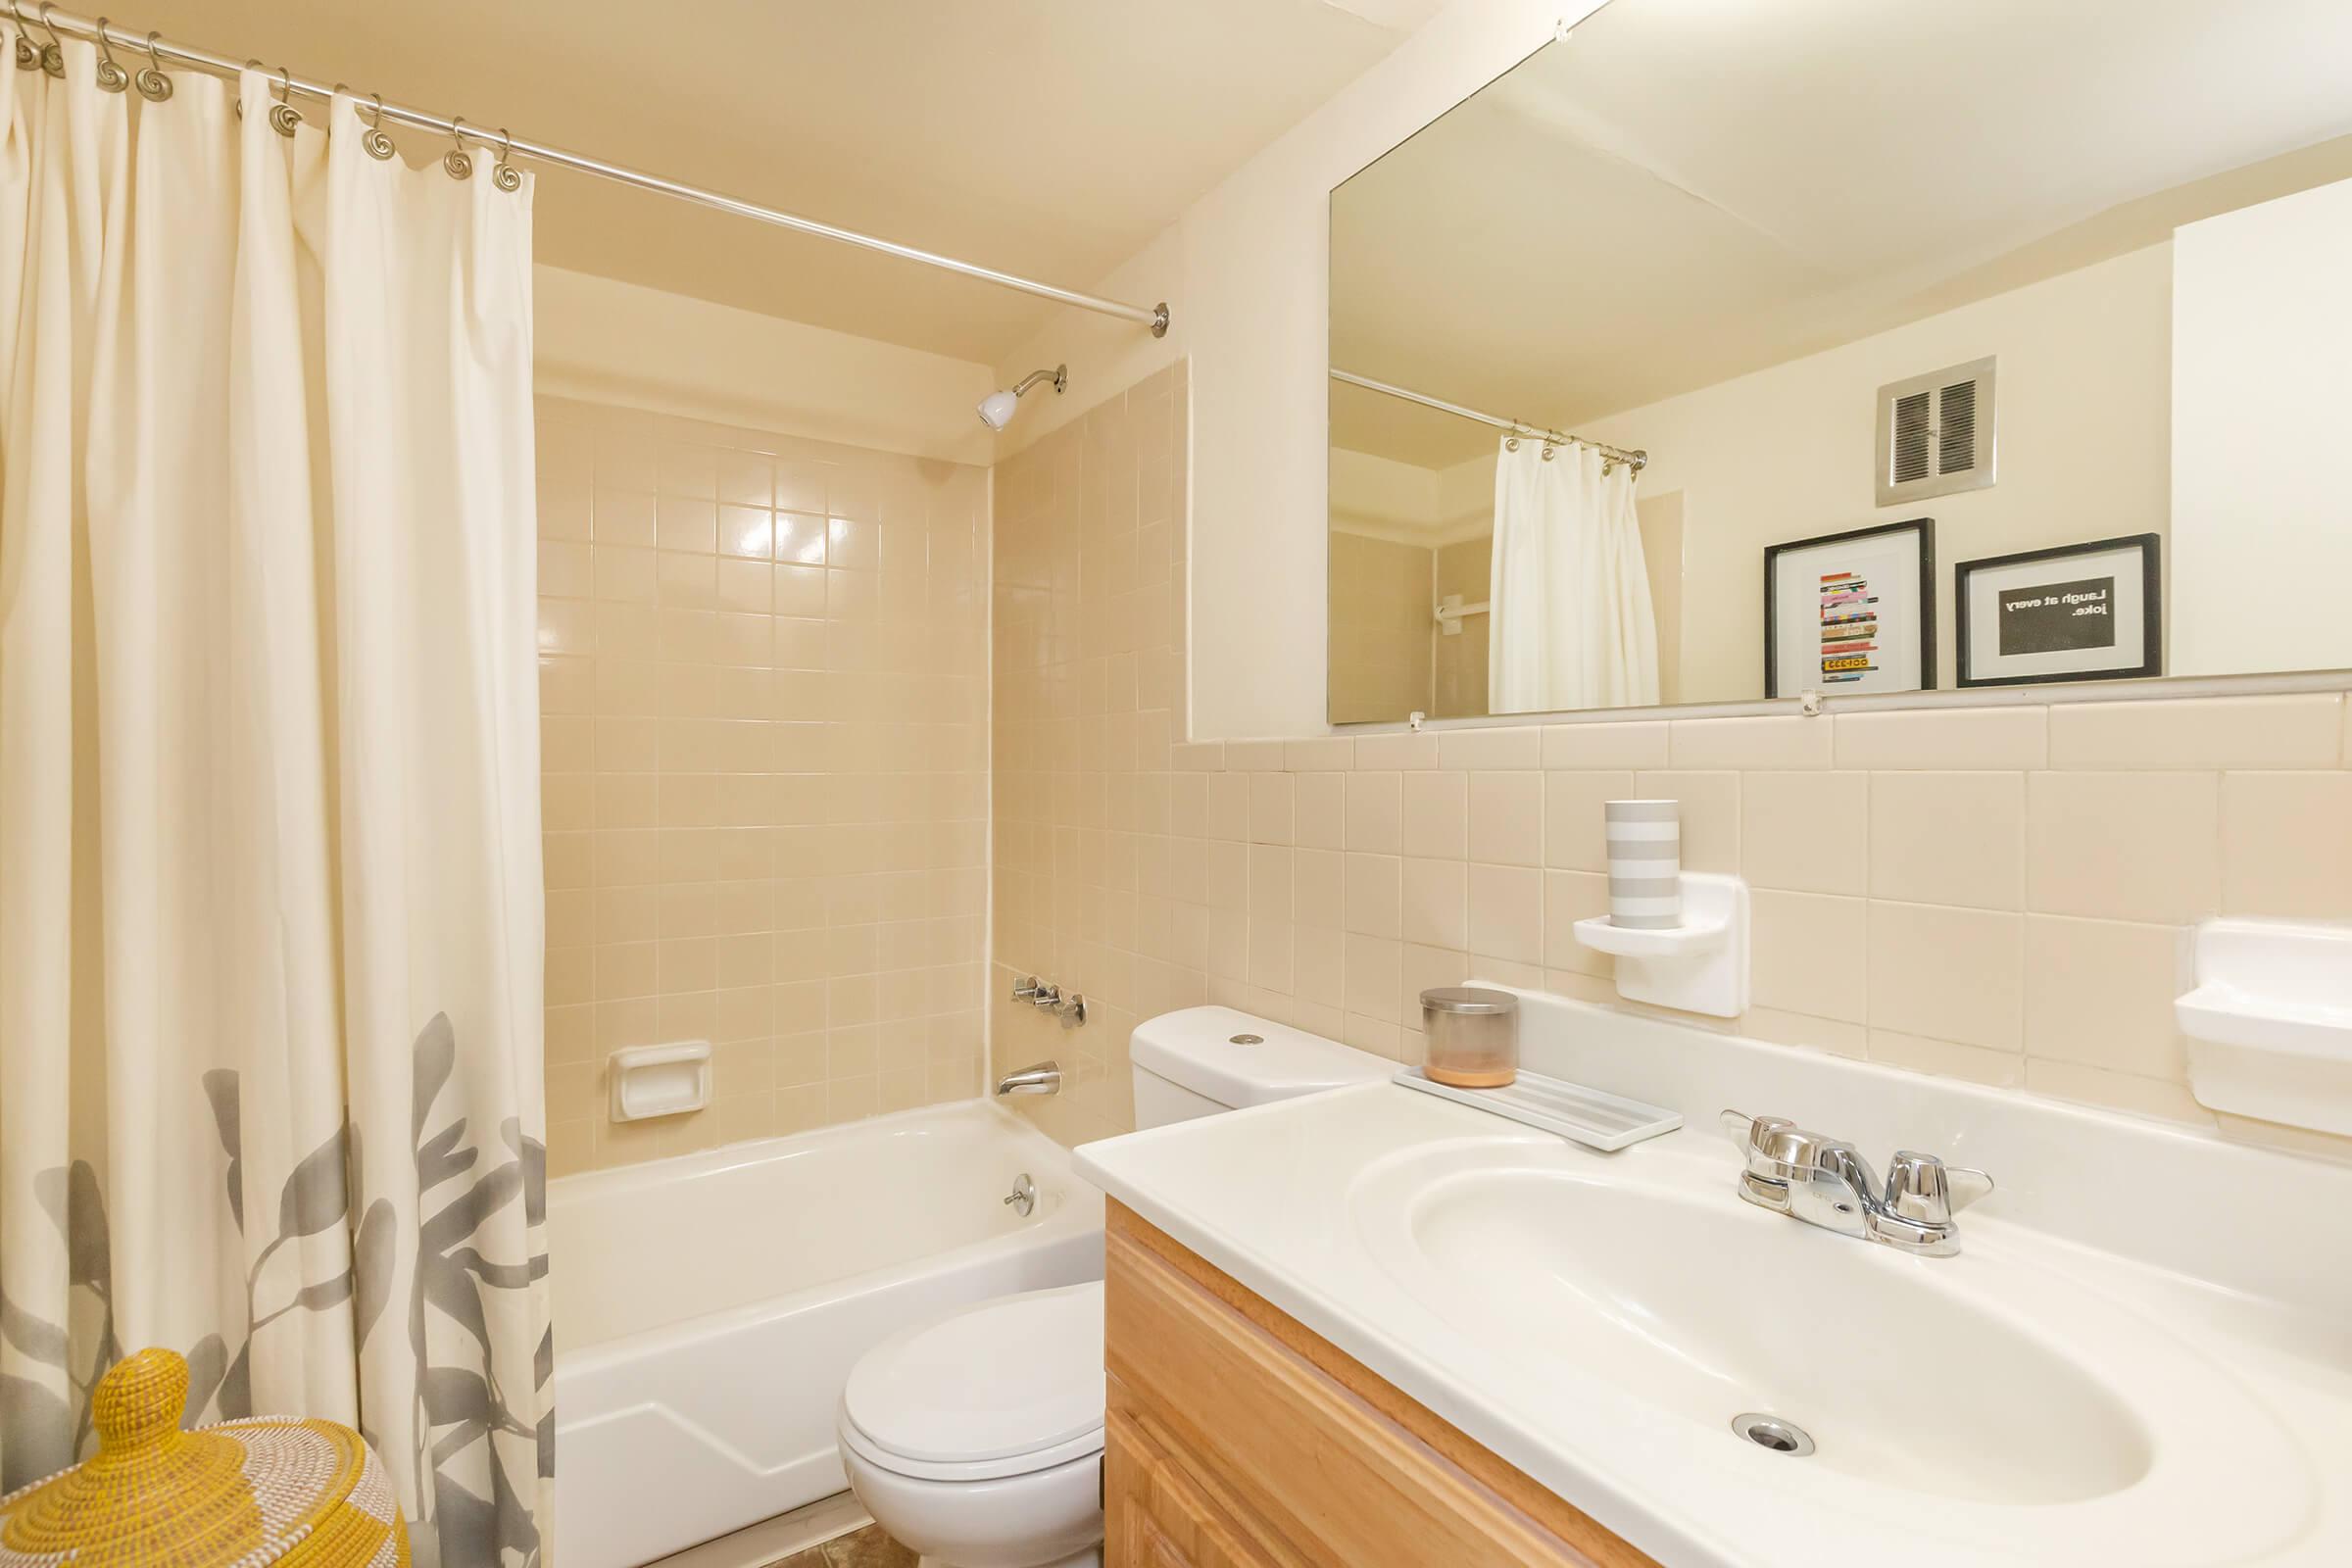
<point>1924,1188</point>
<point>1774,1157</point>
<point>1775,1148</point>
<point>1751,1132</point>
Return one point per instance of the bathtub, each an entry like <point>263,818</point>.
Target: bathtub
<point>708,1308</point>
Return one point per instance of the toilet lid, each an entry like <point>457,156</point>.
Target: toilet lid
<point>1001,1388</point>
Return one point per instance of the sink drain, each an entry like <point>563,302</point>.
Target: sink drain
<point>1770,1432</point>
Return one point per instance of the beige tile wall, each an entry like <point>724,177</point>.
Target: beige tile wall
<point>2000,895</point>
<point>1089,696</point>
<point>764,748</point>
<point>1379,629</point>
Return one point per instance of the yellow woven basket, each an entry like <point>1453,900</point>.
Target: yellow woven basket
<point>273,1489</point>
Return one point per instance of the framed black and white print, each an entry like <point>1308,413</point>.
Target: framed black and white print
<point>2086,612</point>
<point>1851,612</point>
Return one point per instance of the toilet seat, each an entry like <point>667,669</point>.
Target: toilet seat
<point>1010,1386</point>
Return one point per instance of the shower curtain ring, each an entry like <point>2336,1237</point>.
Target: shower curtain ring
<point>52,53</point>
<point>111,77</point>
<point>1510,443</point>
<point>380,146</point>
<point>153,85</point>
<point>283,116</point>
<point>29,54</point>
<point>457,162</point>
<point>503,174</point>
<point>1547,451</point>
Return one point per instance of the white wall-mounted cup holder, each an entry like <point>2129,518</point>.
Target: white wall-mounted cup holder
<point>1700,966</point>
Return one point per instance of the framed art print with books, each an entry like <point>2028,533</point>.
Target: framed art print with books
<point>1853,612</point>
<point>2086,612</point>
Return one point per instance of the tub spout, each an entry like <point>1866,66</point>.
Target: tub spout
<point>1038,1078</point>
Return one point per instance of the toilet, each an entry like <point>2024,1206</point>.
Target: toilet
<point>976,1439</point>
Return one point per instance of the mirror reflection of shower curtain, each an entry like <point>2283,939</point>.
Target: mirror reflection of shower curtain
<point>1572,624</point>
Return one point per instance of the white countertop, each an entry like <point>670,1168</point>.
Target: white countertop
<point>2241,1395</point>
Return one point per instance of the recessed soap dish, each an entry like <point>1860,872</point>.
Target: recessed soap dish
<point>2269,1022</point>
<point>659,1080</point>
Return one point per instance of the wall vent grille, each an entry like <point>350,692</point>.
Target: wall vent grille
<point>1936,433</point>
<point>1914,416</point>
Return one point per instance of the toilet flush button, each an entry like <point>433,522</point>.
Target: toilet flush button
<point>1246,1040</point>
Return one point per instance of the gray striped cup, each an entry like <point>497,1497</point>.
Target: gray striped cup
<point>1646,863</point>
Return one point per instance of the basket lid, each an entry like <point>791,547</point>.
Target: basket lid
<point>265,1491</point>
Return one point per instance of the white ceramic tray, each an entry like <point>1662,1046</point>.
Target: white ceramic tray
<point>1551,1104</point>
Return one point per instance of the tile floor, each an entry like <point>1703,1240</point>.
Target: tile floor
<point>863,1549</point>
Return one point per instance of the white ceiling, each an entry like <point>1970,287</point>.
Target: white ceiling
<point>1686,190</point>
<point>1047,137</point>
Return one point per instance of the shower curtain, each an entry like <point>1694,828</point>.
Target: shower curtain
<point>1571,621</point>
<point>270,867</point>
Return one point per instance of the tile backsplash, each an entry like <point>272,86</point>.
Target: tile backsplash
<point>2004,895</point>
<point>764,772</point>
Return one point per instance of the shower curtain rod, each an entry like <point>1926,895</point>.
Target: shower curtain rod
<point>1637,460</point>
<point>108,33</point>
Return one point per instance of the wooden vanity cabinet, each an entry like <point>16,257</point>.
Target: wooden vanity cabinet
<point>1235,1438</point>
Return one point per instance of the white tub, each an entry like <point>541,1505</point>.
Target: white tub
<point>708,1308</point>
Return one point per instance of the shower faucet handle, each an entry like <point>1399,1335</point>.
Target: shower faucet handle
<point>1035,992</point>
<point>1067,1006</point>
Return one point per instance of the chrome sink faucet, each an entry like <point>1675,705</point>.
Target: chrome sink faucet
<point>1828,1182</point>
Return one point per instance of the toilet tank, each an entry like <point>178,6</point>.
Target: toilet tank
<point>1199,1060</point>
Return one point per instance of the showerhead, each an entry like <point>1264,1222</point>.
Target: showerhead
<point>998,407</point>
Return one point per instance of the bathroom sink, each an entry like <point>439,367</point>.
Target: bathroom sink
<point>2138,1354</point>
<point>1996,1395</point>
<point>1717,1311</point>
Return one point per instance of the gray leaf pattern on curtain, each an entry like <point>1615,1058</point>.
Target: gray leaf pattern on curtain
<point>463,1406</point>
<point>463,1403</point>
<point>45,1431</point>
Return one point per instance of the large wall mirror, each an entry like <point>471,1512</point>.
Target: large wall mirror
<point>1722,352</point>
